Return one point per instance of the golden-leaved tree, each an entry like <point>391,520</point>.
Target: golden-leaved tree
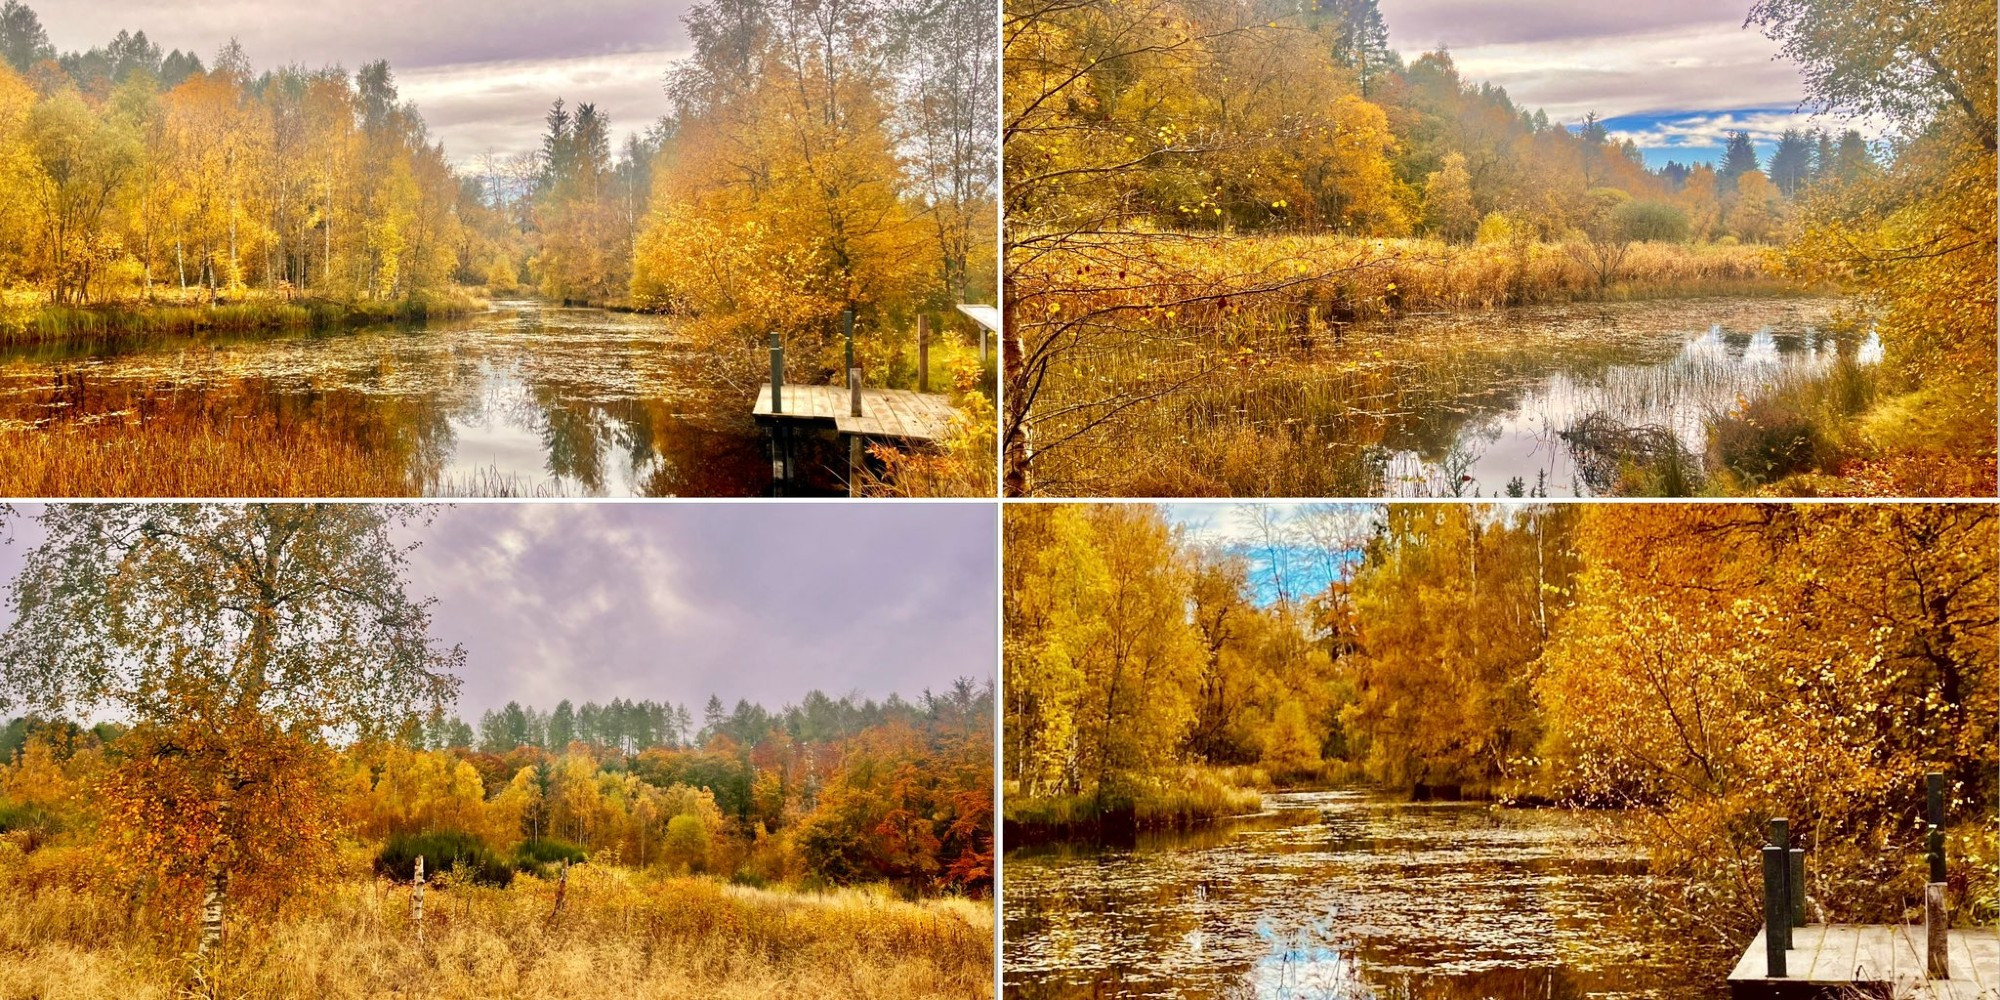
<point>779,204</point>
<point>1917,239</point>
<point>1726,664</point>
<point>241,642</point>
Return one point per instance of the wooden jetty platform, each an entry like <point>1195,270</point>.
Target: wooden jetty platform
<point>887,414</point>
<point>1791,959</point>
<point>1886,960</point>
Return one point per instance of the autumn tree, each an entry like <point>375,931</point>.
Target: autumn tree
<point>241,642</point>
<point>1915,239</point>
<point>1448,205</point>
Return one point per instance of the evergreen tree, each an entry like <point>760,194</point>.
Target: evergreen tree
<point>1791,163</point>
<point>23,41</point>
<point>1360,40</point>
<point>1738,158</point>
<point>562,725</point>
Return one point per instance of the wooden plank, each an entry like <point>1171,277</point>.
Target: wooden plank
<point>1752,964</point>
<point>1874,959</point>
<point>1811,962</point>
<point>1847,954</point>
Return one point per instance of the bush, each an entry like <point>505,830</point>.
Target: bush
<point>1765,440</point>
<point>538,857</point>
<point>442,850</point>
<point>1651,221</point>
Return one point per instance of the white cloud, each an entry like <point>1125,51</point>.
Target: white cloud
<point>498,106</point>
<point>1686,68</point>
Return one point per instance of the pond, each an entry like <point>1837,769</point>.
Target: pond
<point>1342,895</point>
<point>527,398</point>
<point>1478,404</point>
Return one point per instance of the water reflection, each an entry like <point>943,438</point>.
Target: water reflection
<point>525,399</point>
<point>1467,404</point>
<point>1342,894</point>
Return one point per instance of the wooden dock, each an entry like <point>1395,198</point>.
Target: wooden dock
<point>1829,960</point>
<point>886,414</point>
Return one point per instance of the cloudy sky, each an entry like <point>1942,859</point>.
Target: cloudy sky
<point>1676,78</point>
<point>482,71</point>
<point>1673,77</point>
<point>677,601</point>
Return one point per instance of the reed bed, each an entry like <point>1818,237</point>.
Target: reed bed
<point>32,324</point>
<point>620,932</point>
<point>193,456</point>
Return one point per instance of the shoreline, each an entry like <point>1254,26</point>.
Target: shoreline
<point>49,324</point>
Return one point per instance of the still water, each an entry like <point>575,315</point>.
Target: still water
<point>527,398</point>
<point>1467,404</point>
<point>1341,895</point>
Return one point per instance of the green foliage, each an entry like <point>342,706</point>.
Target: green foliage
<point>442,851</point>
<point>1655,221</point>
<point>539,857</point>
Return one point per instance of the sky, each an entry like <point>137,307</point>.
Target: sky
<point>676,601</point>
<point>1675,78</point>
<point>1288,554</point>
<point>483,72</point>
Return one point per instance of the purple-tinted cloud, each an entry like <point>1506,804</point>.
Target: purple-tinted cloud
<point>481,71</point>
<point>677,601</point>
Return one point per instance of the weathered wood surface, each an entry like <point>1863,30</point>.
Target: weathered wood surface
<point>986,316</point>
<point>1887,960</point>
<point>890,414</point>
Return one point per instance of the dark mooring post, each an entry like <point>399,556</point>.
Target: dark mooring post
<point>1781,841</point>
<point>777,373</point>
<point>923,353</point>
<point>847,327</point>
<point>1777,913</point>
<point>1934,811</point>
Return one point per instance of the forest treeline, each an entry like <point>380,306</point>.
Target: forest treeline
<point>129,175</point>
<point>1217,172</point>
<point>826,793</point>
<point>1699,667</point>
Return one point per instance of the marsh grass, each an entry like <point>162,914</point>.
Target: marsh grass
<point>1245,383</point>
<point>181,454</point>
<point>30,324</point>
<point>1181,798</point>
<point>621,933</point>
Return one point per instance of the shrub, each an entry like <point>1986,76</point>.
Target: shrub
<point>442,850</point>
<point>538,857</point>
<point>1765,440</point>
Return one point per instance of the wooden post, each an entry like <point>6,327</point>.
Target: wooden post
<point>1934,844</point>
<point>777,373</point>
<point>1937,937</point>
<point>417,900</point>
<point>847,324</point>
<point>1777,916</point>
<point>923,353</point>
<point>1795,882</point>
<point>854,392</point>
<point>562,890</point>
<point>1934,811</point>
<point>854,465</point>
<point>1781,841</point>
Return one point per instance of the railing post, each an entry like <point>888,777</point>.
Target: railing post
<point>1937,937</point>
<point>854,392</point>
<point>923,353</point>
<point>1781,840</point>
<point>847,325</point>
<point>1777,916</point>
<point>777,373</point>
<point>1934,810</point>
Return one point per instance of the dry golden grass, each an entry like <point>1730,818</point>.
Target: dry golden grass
<point>622,933</point>
<point>193,456</point>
